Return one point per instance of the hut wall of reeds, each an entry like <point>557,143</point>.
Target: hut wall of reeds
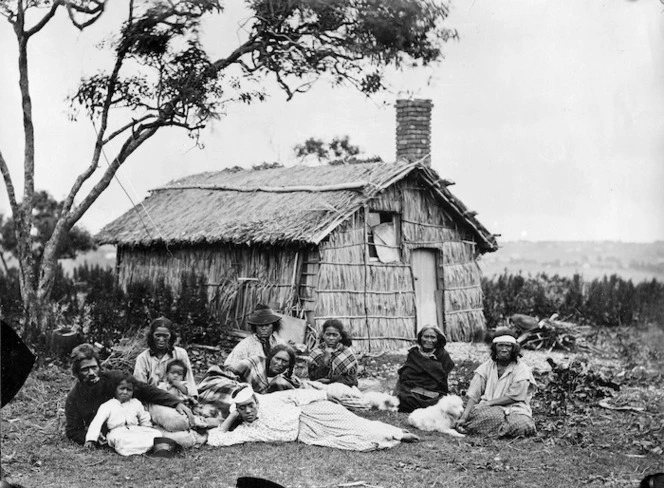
<point>237,277</point>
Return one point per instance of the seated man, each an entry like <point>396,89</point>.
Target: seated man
<point>94,387</point>
<point>500,392</point>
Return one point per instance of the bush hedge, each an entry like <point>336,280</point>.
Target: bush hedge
<point>609,301</point>
<point>91,302</point>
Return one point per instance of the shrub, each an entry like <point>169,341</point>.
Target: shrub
<point>609,301</point>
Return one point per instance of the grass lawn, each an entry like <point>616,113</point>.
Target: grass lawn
<point>585,446</point>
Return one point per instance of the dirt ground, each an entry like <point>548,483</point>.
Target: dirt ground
<point>579,442</point>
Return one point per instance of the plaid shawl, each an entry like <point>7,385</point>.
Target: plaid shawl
<point>253,371</point>
<point>342,367</point>
<point>217,387</point>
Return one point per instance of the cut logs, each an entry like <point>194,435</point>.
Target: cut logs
<point>547,334</point>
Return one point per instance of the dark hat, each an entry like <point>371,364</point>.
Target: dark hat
<point>164,447</point>
<point>251,482</point>
<point>263,315</point>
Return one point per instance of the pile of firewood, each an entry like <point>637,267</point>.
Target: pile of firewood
<point>547,334</point>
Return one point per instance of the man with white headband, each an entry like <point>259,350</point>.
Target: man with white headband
<point>500,392</point>
<point>304,415</point>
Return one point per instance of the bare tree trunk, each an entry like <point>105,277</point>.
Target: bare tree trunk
<point>23,218</point>
<point>4,263</point>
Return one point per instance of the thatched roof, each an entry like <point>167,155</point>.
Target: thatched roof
<point>295,205</point>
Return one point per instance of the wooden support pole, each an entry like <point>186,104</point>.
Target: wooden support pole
<point>365,255</point>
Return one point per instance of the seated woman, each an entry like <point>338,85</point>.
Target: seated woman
<point>265,325</point>
<point>333,361</point>
<point>151,364</point>
<point>306,416</point>
<point>500,392</point>
<point>274,373</point>
<point>423,377</point>
<point>150,368</point>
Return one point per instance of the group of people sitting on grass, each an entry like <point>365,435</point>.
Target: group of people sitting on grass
<point>256,397</point>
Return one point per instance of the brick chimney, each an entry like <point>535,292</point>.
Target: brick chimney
<point>414,130</point>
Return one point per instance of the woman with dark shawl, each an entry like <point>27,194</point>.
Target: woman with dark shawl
<point>423,377</point>
<point>333,361</point>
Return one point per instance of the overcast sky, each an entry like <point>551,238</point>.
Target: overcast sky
<point>548,115</point>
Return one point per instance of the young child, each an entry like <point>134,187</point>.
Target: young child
<point>176,372</point>
<point>129,428</point>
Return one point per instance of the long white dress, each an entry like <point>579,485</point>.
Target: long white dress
<point>130,430</point>
<point>307,416</point>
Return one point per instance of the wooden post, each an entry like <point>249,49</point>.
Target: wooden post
<point>365,255</point>
<point>294,298</point>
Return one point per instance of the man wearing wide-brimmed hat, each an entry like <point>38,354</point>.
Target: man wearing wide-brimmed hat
<point>265,325</point>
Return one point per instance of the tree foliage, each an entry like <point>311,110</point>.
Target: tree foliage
<point>162,75</point>
<point>336,152</point>
<point>337,148</point>
<point>46,213</point>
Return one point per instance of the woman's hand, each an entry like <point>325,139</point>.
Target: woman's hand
<point>327,355</point>
<point>182,409</point>
<point>334,396</point>
<point>90,444</point>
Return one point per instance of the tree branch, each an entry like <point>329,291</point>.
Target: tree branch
<point>83,177</point>
<point>28,127</point>
<point>49,15</point>
<point>95,12</point>
<point>125,127</point>
<point>9,185</point>
<point>235,56</point>
<point>130,145</point>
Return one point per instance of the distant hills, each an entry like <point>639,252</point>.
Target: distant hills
<point>592,259</point>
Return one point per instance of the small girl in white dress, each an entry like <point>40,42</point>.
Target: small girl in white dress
<point>129,428</point>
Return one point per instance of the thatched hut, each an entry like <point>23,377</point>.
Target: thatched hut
<point>385,247</point>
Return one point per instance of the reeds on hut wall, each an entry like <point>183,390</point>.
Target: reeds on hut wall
<point>465,326</point>
<point>389,200</point>
<point>420,206</point>
<point>463,274</point>
<point>238,278</point>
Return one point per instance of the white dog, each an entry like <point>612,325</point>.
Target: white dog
<point>380,401</point>
<point>439,417</point>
